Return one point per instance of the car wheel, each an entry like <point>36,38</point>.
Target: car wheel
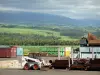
<point>26,67</point>
<point>35,67</point>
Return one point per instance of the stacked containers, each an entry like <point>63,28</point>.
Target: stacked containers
<point>7,52</point>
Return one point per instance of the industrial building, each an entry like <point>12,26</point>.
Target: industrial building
<point>89,47</point>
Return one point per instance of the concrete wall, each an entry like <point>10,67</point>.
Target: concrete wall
<point>10,64</point>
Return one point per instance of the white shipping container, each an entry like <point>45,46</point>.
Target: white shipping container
<point>86,55</point>
<point>95,49</point>
<point>84,49</point>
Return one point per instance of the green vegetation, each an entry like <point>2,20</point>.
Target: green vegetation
<point>47,49</point>
<point>43,35</point>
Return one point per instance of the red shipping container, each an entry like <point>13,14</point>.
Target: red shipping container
<point>7,52</point>
<point>13,52</point>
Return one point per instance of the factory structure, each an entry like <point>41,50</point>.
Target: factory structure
<point>89,47</point>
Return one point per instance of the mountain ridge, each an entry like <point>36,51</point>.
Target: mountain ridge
<point>41,18</point>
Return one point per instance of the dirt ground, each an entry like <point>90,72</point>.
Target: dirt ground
<point>49,72</point>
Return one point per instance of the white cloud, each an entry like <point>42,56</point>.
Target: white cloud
<point>79,9</point>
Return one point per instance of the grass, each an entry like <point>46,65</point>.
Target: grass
<point>35,31</point>
<point>27,31</point>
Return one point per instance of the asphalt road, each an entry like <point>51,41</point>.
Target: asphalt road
<point>49,72</point>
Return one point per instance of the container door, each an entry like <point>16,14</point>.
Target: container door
<point>19,51</point>
<point>14,52</point>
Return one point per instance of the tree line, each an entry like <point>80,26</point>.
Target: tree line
<point>32,39</point>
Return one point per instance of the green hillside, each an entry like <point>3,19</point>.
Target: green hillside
<point>43,34</point>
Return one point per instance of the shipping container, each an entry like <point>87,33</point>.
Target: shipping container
<point>19,51</point>
<point>86,55</point>
<point>90,55</point>
<point>89,52</point>
<point>95,49</point>
<point>89,49</point>
<point>84,49</point>
<point>13,52</point>
<point>7,52</point>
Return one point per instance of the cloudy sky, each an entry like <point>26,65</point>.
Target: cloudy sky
<point>77,9</point>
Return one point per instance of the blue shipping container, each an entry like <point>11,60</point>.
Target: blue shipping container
<point>19,51</point>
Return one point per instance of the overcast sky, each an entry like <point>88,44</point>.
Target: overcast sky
<point>77,9</point>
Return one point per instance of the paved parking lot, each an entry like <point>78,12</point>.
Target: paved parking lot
<point>49,72</point>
